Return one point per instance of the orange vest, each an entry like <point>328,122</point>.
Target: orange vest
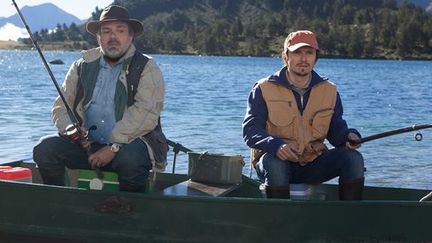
<point>284,120</point>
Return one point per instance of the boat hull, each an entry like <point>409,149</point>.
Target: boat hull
<point>49,212</point>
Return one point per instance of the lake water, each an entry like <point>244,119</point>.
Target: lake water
<point>206,100</point>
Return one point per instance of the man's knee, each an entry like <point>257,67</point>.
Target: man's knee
<point>272,163</point>
<point>274,171</point>
<point>41,150</point>
<point>133,164</point>
<point>134,156</point>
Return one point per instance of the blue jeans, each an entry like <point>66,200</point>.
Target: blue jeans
<point>53,153</point>
<point>343,162</point>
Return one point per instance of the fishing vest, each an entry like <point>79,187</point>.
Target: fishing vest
<point>88,72</point>
<point>284,120</point>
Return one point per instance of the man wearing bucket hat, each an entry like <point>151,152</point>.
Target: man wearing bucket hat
<point>289,115</point>
<point>120,92</point>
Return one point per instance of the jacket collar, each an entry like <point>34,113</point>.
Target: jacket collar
<point>280,78</point>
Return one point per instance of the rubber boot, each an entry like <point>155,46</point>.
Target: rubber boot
<point>131,188</point>
<point>277,192</point>
<point>351,190</point>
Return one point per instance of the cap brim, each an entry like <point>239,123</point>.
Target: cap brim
<point>93,26</point>
<point>299,45</point>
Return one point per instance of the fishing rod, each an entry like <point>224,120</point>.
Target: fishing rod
<point>416,127</point>
<point>73,131</point>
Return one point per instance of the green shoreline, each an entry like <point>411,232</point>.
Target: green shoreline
<point>68,46</point>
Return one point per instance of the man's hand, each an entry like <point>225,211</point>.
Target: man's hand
<point>353,141</point>
<point>101,157</point>
<point>288,151</point>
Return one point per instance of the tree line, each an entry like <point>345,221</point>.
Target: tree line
<point>345,28</point>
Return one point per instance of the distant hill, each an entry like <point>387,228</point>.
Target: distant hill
<point>44,16</point>
<point>345,28</point>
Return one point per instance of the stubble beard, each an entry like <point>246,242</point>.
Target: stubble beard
<point>113,56</point>
<point>302,73</point>
<point>114,53</point>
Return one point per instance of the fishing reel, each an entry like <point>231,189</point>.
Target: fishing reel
<point>75,134</point>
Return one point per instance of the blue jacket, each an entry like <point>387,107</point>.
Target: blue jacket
<point>254,124</point>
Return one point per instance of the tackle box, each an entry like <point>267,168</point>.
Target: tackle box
<point>215,168</point>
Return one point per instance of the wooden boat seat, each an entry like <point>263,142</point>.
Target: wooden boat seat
<point>194,188</point>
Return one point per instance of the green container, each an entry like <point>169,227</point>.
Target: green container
<point>110,180</point>
<point>215,168</point>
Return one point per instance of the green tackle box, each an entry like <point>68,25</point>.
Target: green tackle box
<point>110,180</point>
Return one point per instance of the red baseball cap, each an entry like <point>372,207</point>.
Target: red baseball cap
<point>300,38</point>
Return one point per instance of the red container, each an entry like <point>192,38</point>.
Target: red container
<point>15,174</point>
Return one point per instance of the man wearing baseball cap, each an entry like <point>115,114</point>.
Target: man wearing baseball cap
<point>289,115</point>
<point>119,92</point>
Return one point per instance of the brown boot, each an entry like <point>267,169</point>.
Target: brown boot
<point>277,192</point>
<point>351,190</point>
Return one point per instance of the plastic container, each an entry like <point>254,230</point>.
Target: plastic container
<point>301,191</point>
<point>16,174</point>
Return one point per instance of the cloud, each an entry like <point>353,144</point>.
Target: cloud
<point>12,32</point>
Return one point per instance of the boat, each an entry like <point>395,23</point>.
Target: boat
<point>172,210</point>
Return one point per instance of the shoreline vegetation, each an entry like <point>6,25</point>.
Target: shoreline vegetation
<point>354,29</point>
<point>367,29</point>
<point>78,46</point>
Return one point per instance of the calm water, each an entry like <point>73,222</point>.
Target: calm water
<point>206,100</point>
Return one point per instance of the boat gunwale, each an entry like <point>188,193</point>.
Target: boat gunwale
<point>157,195</point>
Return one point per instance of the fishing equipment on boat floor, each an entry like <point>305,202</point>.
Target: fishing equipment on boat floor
<point>215,168</point>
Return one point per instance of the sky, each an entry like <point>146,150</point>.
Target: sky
<point>80,8</point>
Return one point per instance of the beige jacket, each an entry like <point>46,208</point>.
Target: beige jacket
<point>138,119</point>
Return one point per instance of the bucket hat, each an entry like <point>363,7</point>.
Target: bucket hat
<point>115,13</point>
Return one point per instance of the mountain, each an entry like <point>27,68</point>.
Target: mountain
<point>44,16</point>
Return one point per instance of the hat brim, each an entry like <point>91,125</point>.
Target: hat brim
<point>299,45</point>
<point>94,25</point>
